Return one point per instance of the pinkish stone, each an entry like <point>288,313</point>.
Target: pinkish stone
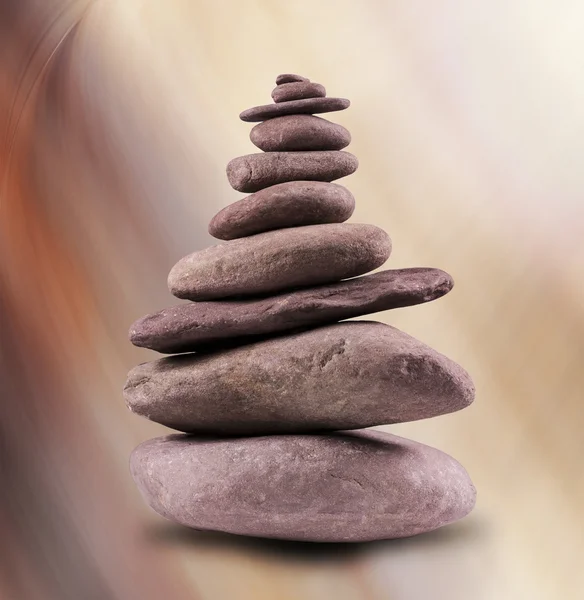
<point>278,260</point>
<point>341,487</point>
<point>196,325</point>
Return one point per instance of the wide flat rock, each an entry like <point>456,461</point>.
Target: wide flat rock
<point>297,90</point>
<point>279,260</point>
<point>299,132</point>
<point>309,106</point>
<point>340,487</point>
<point>343,376</point>
<point>254,172</point>
<point>289,204</point>
<point>195,325</point>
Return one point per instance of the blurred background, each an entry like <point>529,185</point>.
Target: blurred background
<point>117,119</point>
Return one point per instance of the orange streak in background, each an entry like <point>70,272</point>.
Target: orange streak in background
<point>70,532</point>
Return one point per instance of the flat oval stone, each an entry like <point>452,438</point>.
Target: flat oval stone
<point>191,326</point>
<point>254,172</point>
<point>341,487</point>
<point>289,78</point>
<point>293,107</point>
<point>279,260</point>
<point>289,204</point>
<point>297,91</point>
<point>299,132</point>
<point>343,376</point>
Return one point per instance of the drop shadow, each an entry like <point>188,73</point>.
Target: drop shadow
<point>469,530</point>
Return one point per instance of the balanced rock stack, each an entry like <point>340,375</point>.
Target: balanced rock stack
<point>271,382</point>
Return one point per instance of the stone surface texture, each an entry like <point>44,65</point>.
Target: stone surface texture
<point>279,260</point>
<point>289,204</point>
<point>340,487</point>
<point>188,327</point>
<point>307,106</point>
<point>299,132</point>
<point>297,90</point>
<point>343,376</point>
<point>254,172</point>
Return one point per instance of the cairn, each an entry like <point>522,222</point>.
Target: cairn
<point>272,387</point>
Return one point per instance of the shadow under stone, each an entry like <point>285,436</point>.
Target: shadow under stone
<point>469,529</point>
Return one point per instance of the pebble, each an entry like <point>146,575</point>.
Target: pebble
<point>293,107</point>
<point>289,204</point>
<point>254,172</point>
<point>289,78</point>
<point>298,91</point>
<point>342,376</point>
<point>340,487</point>
<point>195,325</point>
<point>299,132</point>
<point>279,260</point>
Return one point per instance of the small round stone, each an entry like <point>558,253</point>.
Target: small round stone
<point>197,325</point>
<point>254,172</point>
<point>292,107</point>
<point>341,487</point>
<point>299,132</point>
<point>289,78</point>
<point>298,91</point>
<point>290,204</point>
<point>280,260</point>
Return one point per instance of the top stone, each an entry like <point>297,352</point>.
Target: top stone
<point>289,78</point>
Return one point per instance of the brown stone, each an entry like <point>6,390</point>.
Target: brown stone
<point>306,106</point>
<point>279,260</point>
<point>299,132</point>
<point>289,204</point>
<point>195,325</point>
<point>343,376</point>
<point>298,90</point>
<point>289,78</point>
<point>341,487</point>
<point>254,172</point>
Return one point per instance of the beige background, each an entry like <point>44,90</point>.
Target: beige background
<point>118,119</point>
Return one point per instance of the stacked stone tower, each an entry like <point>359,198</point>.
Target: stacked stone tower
<point>273,387</point>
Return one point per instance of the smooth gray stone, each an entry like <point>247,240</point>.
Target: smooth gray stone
<point>289,78</point>
<point>341,487</point>
<point>343,376</point>
<point>195,325</point>
<point>297,90</point>
<point>289,204</point>
<point>279,260</point>
<point>294,107</point>
<point>299,132</point>
<point>254,172</point>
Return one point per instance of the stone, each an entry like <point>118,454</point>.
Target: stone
<point>278,260</point>
<point>293,107</point>
<point>289,78</point>
<point>339,487</point>
<point>342,376</point>
<point>196,325</point>
<point>289,204</point>
<point>254,172</point>
<point>298,90</point>
<point>299,132</point>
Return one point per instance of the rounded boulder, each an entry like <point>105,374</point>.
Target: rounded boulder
<point>341,487</point>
